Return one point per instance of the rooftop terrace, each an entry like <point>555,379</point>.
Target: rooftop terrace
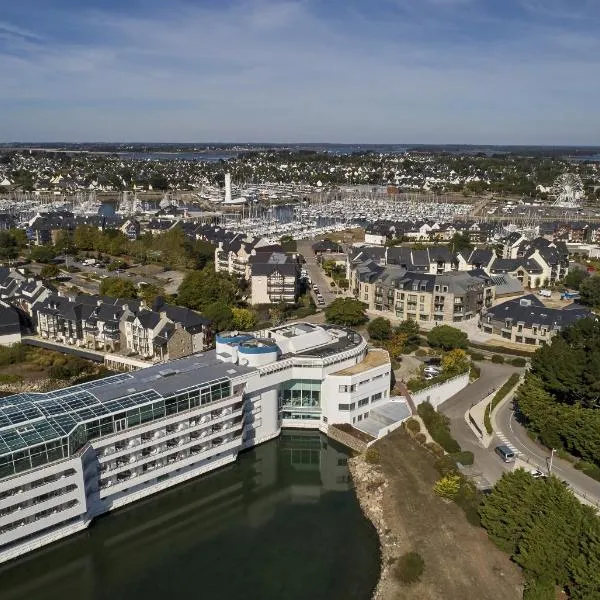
<point>373,358</point>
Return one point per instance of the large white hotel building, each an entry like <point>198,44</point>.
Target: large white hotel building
<point>71,455</point>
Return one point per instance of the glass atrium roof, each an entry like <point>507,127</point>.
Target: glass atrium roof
<point>29,419</point>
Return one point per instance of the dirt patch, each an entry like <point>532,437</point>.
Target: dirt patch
<point>460,561</point>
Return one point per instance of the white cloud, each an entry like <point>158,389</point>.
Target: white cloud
<point>280,71</point>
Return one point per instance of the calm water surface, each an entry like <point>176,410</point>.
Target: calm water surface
<point>281,523</point>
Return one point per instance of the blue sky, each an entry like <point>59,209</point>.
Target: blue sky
<point>379,71</point>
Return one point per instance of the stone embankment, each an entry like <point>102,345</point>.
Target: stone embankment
<point>370,483</point>
<point>41,385</point>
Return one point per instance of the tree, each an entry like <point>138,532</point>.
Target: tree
<point>589,290</point>
<point>49,272</point>
<point>410,329</point>
<point>150,292</point>
<point>455,362</point>
<point>447,338</point>
<point>43,254</point>
<point>220,315</point>
<point>461,242</point>
<point>574,278</point>
<point>201,288</point>
<point>116,287</point>
<point>346,311</point>
<point>159,182</point>
<point>243,319</point>
<point>380,328</point>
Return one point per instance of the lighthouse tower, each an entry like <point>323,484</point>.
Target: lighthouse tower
<point>228,187</point>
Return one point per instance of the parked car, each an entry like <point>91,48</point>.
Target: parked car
<point>505,453</point>
<point>432,370</point>
<point>536,473</point>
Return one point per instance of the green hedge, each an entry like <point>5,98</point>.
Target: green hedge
<point>410,567</point>
<point>438,427</point>
<point>497,358</point>
<point>590,469</point>
<point>464,457</point>
<point>502,350</point>
<point>500,394</point>
<point>518,362</point>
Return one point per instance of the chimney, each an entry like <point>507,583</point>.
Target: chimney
<point>227,187</point>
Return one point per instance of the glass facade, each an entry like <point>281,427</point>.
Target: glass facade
<point>37,455</point>
<point>301,399</point>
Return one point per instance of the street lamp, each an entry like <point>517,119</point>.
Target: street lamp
<point>551,459</point>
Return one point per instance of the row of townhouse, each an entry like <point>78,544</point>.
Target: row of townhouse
<point>535,263</point>
<point>161,332</point>
<point>379,232</point>
<point>527,320</point>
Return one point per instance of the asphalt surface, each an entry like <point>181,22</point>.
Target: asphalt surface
<point>486,461</point>
<point>539,456</point>
<point>316,274</point>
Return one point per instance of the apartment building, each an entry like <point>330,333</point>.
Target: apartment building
<point>527,320</point>
<point>71,455</point>
<point>445,297</point>
<point>274,277</point>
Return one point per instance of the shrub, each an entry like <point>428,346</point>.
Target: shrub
<point>497,358</point>
<point>410,567</point>
<point>445,464</point>
<point>518,362</point>
<point>475,372</point>
<point>372,456</point>
<point>500,394</point>
<point>448,486</point>
<point>435,448</point>
<point>438,427</point>
<point>465,457</point>
<point>539,589</point>
<point>9,378</point>
<point>590,469</point>
<point>421,438</point>
<point>420,352</point>
<point>476,355</point>
<point>513,351</point>
<point>413,425</point>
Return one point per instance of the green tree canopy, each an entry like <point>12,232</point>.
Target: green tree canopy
<point>115,287</point>
<point>43,254</point>
<point>574,278</point>
<point>380,328</point>
<point>220,316</point>
<point>49,271</point>
<point>346,311</point>
<point>201,288</point>
<point>461,242</point>
<point>410,329</point>
<point>244,319</point>
<point>447,338</point>
<point>590,291</point>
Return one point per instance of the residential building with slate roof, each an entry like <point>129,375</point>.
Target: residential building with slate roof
<point>527,320</point>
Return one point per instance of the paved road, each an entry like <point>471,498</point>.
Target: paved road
<point>486,461</point>
<point>516,435</point>
<point>315,272</point>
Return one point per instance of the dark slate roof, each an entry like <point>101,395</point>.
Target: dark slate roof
<point>9,321</point>
<point>480,256</point>
<point>509,265</point>
<point>529,310</point>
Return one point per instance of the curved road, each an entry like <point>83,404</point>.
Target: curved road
<point>539,456</point>
<point>486,460</point>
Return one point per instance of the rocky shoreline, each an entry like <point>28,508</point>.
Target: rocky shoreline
<point>370,484</point>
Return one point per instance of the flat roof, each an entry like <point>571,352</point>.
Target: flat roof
<point>374,358</point>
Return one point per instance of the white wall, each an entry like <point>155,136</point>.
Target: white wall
<point>437,394</point>
<point>9,340</point>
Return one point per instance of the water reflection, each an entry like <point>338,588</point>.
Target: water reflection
<point>283,522</point>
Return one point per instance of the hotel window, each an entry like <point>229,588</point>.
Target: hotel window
<point>376,397</point>
<point>343,407</point>
<point>363,402</point>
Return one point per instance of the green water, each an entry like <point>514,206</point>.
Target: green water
<point>281,523</point>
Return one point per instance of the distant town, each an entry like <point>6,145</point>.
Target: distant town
<point>442,300</point>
